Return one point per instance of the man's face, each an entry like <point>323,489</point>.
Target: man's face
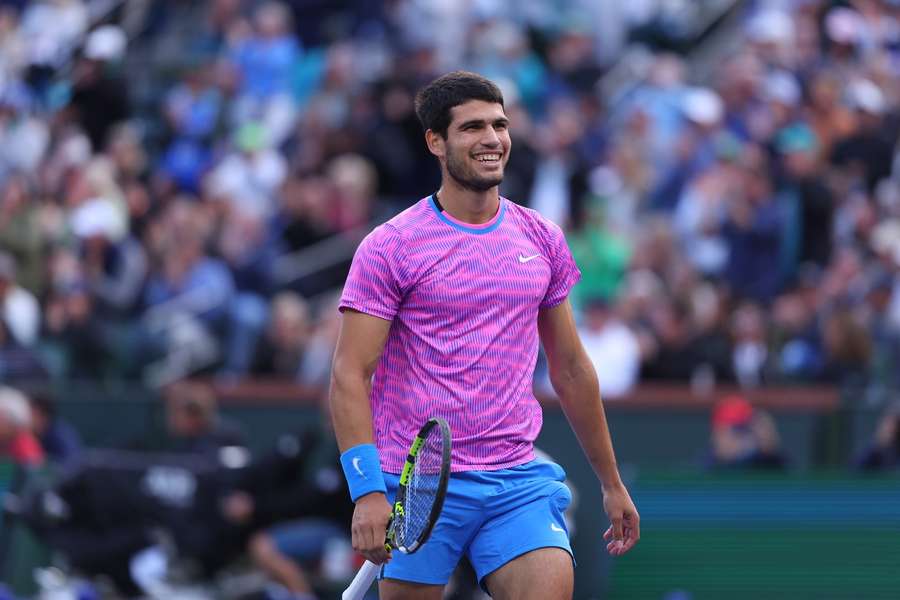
<point>477,146</point>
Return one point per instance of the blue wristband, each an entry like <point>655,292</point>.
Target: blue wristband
<point>362,468</point>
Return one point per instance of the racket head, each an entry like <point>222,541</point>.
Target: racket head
<point>422,488</point>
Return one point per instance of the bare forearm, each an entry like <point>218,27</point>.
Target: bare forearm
<point>579,395</point>
<point>351,413</point>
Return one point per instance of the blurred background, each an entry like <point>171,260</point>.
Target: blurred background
<point>183,185</point>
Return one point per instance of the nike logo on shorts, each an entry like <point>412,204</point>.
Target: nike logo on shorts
<point>525,259</point>
<point>555,527</point>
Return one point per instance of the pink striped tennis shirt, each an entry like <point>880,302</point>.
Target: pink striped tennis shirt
<point>463,302</point>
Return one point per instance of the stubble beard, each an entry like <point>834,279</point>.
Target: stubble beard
<point>465,178</point>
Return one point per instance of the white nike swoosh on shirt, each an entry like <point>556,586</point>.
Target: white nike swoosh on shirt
<point>555,527</point>
<point>356,462</point>
<point>525,259</point>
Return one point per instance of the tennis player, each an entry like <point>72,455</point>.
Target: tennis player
<point>443,312</point>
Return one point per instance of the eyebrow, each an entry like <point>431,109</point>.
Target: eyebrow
<point>497,121</point>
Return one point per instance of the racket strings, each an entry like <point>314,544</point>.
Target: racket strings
<point>422,490</point>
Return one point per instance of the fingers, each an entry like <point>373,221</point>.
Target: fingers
<point>631,533</point>
<point>368,542</point>
<point>370,518</point>
<point>617,528</point>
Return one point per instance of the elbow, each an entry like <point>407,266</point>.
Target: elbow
<point>572,375</point>
<point>347,374</point>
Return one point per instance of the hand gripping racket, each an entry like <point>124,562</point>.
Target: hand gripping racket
<point>420,497</point>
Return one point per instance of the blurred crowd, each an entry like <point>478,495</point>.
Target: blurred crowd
<point>182,184</point>
<point>743,228</point>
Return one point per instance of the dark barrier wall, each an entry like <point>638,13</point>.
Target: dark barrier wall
<point>657,432</point>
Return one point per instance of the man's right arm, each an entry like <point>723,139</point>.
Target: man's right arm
<point>359,347</point>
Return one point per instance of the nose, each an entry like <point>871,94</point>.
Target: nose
<point>490,137</point>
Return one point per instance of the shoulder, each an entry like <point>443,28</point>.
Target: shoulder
<point>399,229</point>
<point>410,219</point>
<point>533,222</point>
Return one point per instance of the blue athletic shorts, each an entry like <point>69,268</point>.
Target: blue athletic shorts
<point>491,517</point>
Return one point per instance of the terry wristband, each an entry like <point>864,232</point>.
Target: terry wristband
<point>362,468</point>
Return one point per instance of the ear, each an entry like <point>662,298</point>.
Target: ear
<point>436,143</point>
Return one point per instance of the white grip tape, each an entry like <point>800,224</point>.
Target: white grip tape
<point>362,582</point>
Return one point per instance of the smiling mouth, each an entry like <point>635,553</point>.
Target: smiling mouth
<point>488,159</point>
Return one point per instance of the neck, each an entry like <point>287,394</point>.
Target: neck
<point>469,206</point>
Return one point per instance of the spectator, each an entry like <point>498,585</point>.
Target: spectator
<point>743,437</point>
<point>750,351</point>
<point>884,450</point>
<point>612,347</point>
<point>808,201</point>
<point>18,363</point>
<point>246,180</point>
<point>17,442</point>
<point>281,350</point>
<point>100,96</point>
<point>114,263</point>
<point>188,293</point>
<point>72,323</point>
<point>60,441</point>
<point>753,232</point>
<point>18,307</point>
<point>264,61</point>
<point>193,422</point>
<point>21,234</point>
<point>290,512</point>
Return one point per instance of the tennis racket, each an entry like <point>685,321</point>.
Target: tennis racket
<point>420,497</point>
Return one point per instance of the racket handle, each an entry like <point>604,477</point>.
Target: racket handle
<point>361,583</point>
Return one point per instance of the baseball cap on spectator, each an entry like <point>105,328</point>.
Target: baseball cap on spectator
<point>771,27</point>
<point>885,239</point>
<point>98,217</point>
<point>702,106</point>
<point>866,96</point>
<point>732,411</point>
<point>781,87</point>
<point>844,26</point>
<point>251,137</point>
<point>106,43</point>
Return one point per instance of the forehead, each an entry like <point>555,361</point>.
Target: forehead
<point>476,110</point>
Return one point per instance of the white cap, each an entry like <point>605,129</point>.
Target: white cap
<point>865,95</point>
<point>703,106</point>
<point>14,406</point>
<point>844,25</point>
<point>105,43</point>
<point>98,217</point>
<point>885,237</point>
<point>771,26</point>
<point>782,87</point>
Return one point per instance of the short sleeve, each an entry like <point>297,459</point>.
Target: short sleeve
<point>374,283</point>
<point>565,273</point>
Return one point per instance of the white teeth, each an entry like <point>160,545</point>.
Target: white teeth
<point>487,157</point>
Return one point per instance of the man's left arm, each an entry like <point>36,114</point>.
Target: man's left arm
<point>575,382</point>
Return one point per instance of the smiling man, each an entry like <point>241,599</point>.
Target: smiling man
<point>443,312</point>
